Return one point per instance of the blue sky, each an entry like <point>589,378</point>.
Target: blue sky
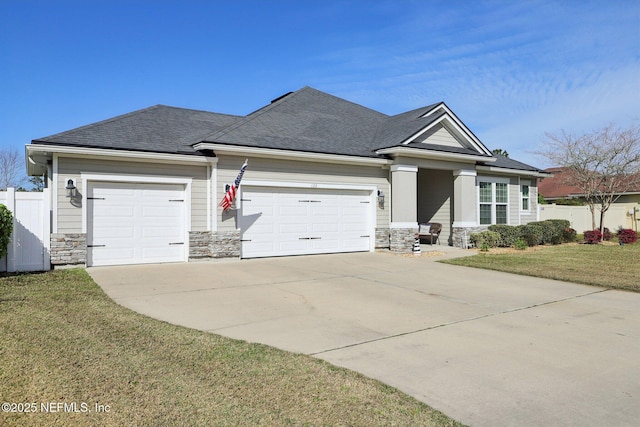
<point>511,70</point>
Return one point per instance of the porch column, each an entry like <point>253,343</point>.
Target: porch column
<point>404,207</point>
<point>465,206</point>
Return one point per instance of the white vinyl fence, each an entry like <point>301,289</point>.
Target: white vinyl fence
<point>619,215</point>
<point>30,242</point>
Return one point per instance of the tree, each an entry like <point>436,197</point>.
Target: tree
<point>11,168</point>
<point>37,182</point>
<point>604,164</point>
<point>500,152</point>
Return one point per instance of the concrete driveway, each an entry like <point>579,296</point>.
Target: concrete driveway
<point>486,348</point>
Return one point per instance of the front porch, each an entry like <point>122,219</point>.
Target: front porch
<point>427,194</point>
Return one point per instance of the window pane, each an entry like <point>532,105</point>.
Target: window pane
<point>485,214</point>
<point>501,214</point>
<point>525,197</point>
<point>501,193</point>
<point>485,192</point>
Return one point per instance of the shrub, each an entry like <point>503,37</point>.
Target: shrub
<point>531,233</point>
<point>606,235</point>
<point>484,239</point>
<point>592,236</point>
<point>508,234</point>
<point>627,235</point>
<point>6,228</point>
<point>520,244</point>
<point>557,226</point>
<point>569,235</point>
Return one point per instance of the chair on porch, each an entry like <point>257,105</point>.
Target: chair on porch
<point>431,231</point>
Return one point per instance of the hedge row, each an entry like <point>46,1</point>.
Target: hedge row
<point>551,231</point>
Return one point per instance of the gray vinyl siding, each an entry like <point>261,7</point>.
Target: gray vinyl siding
<point>514,201</point>
<point>439,135</point>
<point>435,200</point>
<point>299,172</point>
<point>70,214</point>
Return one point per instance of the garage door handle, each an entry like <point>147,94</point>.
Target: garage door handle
<point>177,243</point>
<point>309,238</point>
<point>96,246</point>
<point>365,236</point>
<point>95,198</point>
<point>177,200</point>
<point>245,240</point>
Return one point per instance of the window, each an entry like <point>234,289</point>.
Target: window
<point>524,193</point>
<point>494,201</point>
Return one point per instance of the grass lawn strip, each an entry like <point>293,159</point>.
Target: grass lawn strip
<point>607,265</point>
<point>63,340</point>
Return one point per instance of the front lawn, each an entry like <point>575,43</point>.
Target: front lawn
<point>608,265</point>
<point>71,356</point>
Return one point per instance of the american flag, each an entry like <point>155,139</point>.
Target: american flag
<point>230,195</point>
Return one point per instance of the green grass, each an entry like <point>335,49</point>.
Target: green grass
<point>606,265</point>
<point>63,340</point>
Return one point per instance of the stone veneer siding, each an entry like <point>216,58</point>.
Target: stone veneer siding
<point>70,248</point>
<point>458,235</point>
<point>402,239</point>
<point>199,244</point>
<point>225,244</point>
<point>382,238</point>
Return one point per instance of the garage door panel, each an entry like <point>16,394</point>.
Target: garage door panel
<point>298,229</point>
<point>305,221</point>
<point>133,223</point>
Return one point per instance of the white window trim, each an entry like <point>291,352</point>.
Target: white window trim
<point>94,177</point>
<point>493,181</point>
<point>528,184</point>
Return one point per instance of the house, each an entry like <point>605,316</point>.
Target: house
<point>558,187</point>
<point>325,175</point>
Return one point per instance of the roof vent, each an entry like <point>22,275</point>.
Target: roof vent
<point>280,97</point>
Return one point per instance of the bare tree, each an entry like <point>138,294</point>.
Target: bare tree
<point>11,168</point>
<point>604,164</point>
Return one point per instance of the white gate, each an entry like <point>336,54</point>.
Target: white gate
<point>30,243</point>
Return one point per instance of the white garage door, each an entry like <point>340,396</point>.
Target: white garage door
<point>135,223</point>
<point>280,221</point>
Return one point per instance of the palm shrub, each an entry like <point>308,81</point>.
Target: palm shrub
<point>6,228</point>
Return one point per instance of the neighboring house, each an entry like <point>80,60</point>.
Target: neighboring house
<point>556,187</point>
<point>325,175</point>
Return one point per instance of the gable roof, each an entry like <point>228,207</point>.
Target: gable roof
<point>158,129</point>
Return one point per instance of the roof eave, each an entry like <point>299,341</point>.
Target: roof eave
<point>38,154</point>
<point>239,150</point>
<point>510,171</point>
<point>429,154</point>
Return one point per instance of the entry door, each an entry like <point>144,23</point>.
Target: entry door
<point>135,223</point>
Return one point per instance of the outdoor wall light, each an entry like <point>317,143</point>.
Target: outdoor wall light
<point>72,191</point>
<point>380,198</point>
